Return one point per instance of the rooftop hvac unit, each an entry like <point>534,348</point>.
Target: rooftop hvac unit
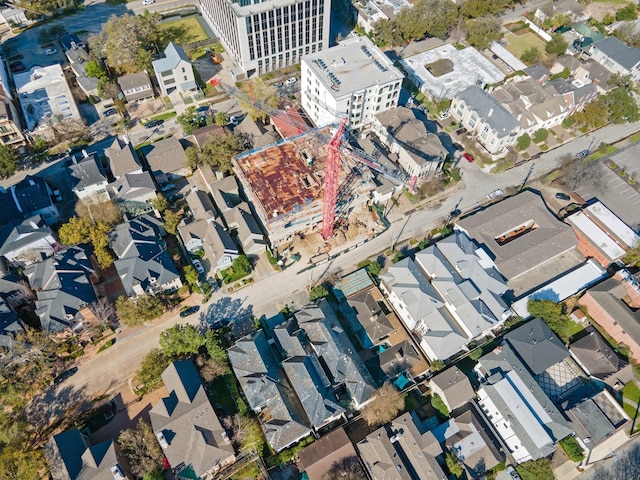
<point>161,440</point>
<point>117,473</point>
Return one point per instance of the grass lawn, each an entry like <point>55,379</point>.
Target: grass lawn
<point>183,31</point>
<point>518,44</point>
<point>162,116</point>
<point>604,150</point>
<point>220,393</point>
<point>631,392</point>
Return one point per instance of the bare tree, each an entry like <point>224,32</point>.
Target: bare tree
<point>347,468</point>
<point>104,311</point>
<point>384,407</point>
<point>210,369</point>
<point>579,172</point>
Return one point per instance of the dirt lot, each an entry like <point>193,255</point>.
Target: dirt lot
<point>600,9</point>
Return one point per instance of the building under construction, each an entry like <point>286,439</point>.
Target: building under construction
<point>285,182</point>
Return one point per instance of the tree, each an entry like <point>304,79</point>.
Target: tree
<point>94,69</point>
<point>594,115</point>
<point>632,257</point>
<point>221,119</point>
<point>386,405</point>
<point>155,475</point>
<point>540,135</point>
<point>317,292</point>
<point>217,152</point>
<point>124,39</point>
<point>560,20</point>
<point>621,106</point>
<point>141,448</point>
<point>579,172</point>
<point>438,404</point>
<point>8,161</point>
<point>557,45</point>
<point>216,346</point>
<point>483,32</point>
<point>136,310</point>
<point>105,213</point>
<point>210,369</point>
<point>453,465</point>
<point>107,88</point>
<point>629,12</point>
<point>523,142</point>
<point>436,365</point>
<point>171,221</point>
<point>181,340</point>
<point>104,310</point>
<point>531,55</point>
<point>21,463</point>
<point>151,368</point>
<point>536,470</point>
<point>608,19</point>
<point>374,268</point>
<point>263,94</point>
<point>191,120</point>
<point>191,275</point>
<point>160,203</point>
<point>241,266</point>
<point>629,34</point>
<point>572,448</point>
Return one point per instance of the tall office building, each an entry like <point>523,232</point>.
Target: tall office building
<point>261,36</point>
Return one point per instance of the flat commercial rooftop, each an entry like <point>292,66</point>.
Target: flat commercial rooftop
<point>469,68</point>
<point>289,175</point>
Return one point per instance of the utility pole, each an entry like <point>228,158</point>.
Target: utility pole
<point>526,178</point>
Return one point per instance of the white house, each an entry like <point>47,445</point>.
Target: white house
<point>174,72</point>
<point>616,57</point>
<point>354,79</point>
<point>88,181</point>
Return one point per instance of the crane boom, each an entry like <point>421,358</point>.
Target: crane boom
<point>332,170</point>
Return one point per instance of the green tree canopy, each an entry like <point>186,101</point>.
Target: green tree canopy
<point>136,310</point>
<point>217,152</point>
<point>557,45</point>
<point>264,95</point>
<point>94,69</point>
<point>523,142</point>
<point>629,12</point>
<point>453,465</point>
<point>531,55</point>
<point>8,161</point>
<point>319,291</point>
<point>181,340</point>
<point>142,449</point>
<point>171,221</point>
<point>153,364</point>
<point>483,32</point>
<point>536,470</point>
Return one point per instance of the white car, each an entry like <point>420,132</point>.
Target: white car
<point>495,194</point>
<point>50,51</point>
<point>198,265</point>
<point>148,2</point>
<point>444,115</point>
<point>291,81</point>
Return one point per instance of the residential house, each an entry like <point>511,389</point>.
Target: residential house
<point>165,159</point>
<point>520,411</point>
<point>528,244</point>
<point>88,181</point>
<point>404,132</point>
<point>10,128</point>
<point>289,122</point>
<point>14,18</point>
<point>596,419</point>
<point>25,242</point>
<point>244,225</point>
<point>601,234</point>
<point>133,192</point>
<point>11,327</point>
<point>370,12</point>
<point>600,361</point>
<point>122,158</point>
<point>405,449</point>
<point>570,8</point>
<point>453,387</point>
<point>45,97</point>
<point>174,71</point>
<point>78,56</point>
<point>70,41</point>
<point>328,456</point>
<point>532,105</point>
<point>376,327</point>
<point>71,457</point>
<point>353,79</point>
<point>63,286</point>
<point>449,295</point>
<point>584,73</point>
<point>144,265</point>
<point>32,196</point>
<point>575,95</point>
<point>615,305</point>
<point>204,134</point>
<point>468,437</point>
<point>616,57</point>
<point>187,427</point>
<point>136,87</point>
<point>225,193</point>
<point>490,123</point>
<point>540,73</point>
<point>266,390</point>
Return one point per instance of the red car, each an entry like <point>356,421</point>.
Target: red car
<point>468,157</point>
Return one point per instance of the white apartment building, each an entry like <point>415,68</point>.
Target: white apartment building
<point>354,79</point>
<point>261,36</point>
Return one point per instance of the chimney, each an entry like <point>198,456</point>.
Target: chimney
<point>86,155</point>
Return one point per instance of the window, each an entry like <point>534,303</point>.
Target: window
<point>183,70</point>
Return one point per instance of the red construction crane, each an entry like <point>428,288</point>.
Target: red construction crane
<point>332,170</point>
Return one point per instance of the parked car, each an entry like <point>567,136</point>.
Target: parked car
<point>461,131</point>
<point>234,120</point>
<point>202,109</point>
<point>64,375</point>
<point>153,123</point>
<point>563,196</point>
<point>468,157</point>
<point>166,187</point>
<point>75,149</point>
<point>512,473</point>
<point>582,154</point>
<point>175,197</point>
<point>455,212</point>
<point>291,81</point>
<point>198,265</point>
<point>444,115</point>
<point>17,66</point>
<point>109,111</point>
<point>277,84</point>
<point>189,311</point>
<point>50,51</point>
<point>148,2</point>
<point>495,194</point>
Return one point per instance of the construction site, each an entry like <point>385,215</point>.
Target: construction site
<point>285,181</point>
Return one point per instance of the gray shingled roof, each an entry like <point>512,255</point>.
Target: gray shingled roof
<point>165,156</point>
<point>265,389</point>
<point>537,346</point>
<point>490,110</point>
<point>188,421</point>
<point>85,172</point>
<point>132,186</point>
<point>455,386</point>
<point>173,55</point>
<point>32,194</point>
<point>226,193</point>
<point>596,355</point>
<point>122,158</point>
<point>371,316</point>
<point>619,52</point>
<point>20,234</point>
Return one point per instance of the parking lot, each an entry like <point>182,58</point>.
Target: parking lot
<point>616,193</point>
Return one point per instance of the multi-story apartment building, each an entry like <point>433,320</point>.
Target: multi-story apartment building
<point>268,35</point>
<point>354,79</point>
<point>10,133</point>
